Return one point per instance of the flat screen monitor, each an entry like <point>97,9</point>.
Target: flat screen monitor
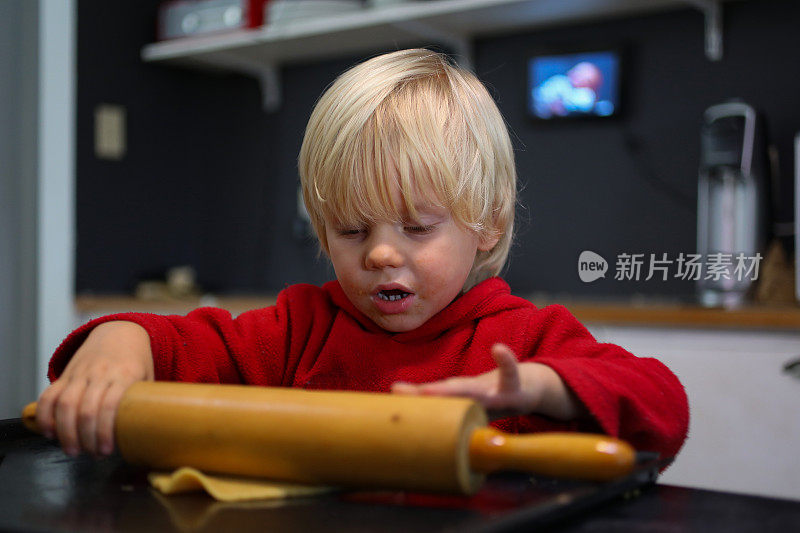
<point>574,85</point>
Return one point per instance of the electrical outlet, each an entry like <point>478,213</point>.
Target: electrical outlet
<point>109,132</point>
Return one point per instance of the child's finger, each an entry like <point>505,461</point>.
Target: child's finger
<point>106,416</point>
<point>87,415</point>
<point>468,387</point>
<point>449,387</point>
<point>66,414</point>
<point>508,378</point>
<point>401,387</point>
<point>45,408</point>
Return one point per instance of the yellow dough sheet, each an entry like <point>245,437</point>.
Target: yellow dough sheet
<point>229,489</point>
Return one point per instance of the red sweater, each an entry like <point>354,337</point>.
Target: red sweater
<point>316,339</point>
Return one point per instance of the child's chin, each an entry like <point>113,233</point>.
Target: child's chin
<point>398,323</point>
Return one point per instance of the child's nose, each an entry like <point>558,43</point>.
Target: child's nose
<point>382,252</point>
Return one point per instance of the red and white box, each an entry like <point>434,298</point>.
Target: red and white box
<point>186,18</point>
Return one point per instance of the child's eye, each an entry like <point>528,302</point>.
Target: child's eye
<point>420,230</point>
<point>349,232</point>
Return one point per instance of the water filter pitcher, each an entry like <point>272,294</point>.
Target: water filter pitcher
<point>730,205</point>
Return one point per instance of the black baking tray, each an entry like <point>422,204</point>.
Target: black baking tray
<point>42,489</point>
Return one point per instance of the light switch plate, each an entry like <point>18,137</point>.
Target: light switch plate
<point>109,132</point>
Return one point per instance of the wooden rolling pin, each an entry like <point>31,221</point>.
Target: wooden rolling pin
<point>342,438</point>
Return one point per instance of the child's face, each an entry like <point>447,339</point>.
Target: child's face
<point>402,273</point>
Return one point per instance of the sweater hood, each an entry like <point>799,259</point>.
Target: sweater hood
<point>486,298</point>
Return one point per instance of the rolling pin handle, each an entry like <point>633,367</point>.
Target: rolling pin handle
<point>570,455</point>
<point>29,418</point>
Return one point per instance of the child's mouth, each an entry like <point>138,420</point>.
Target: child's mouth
<point>393,295</point>
<point>392,301</point>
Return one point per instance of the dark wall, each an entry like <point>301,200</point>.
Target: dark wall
<point>209,179</point>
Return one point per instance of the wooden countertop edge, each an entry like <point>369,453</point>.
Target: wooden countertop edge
<point>783,318</point>
<point>103,304</point>
<point>684,315</point>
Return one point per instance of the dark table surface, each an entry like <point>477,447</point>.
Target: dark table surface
<point>42,489</point>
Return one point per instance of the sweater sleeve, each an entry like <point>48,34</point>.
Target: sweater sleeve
<point>210,346</point>
<point>634,398</point>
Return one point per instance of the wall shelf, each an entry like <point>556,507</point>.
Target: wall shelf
<point>260,52</point>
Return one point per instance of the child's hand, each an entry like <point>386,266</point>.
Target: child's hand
<point>513,388</point>
<point>80,407</point>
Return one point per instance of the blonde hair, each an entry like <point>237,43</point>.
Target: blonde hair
<point>411,118</point>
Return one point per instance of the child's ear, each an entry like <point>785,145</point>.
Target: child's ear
<point>487,241</point>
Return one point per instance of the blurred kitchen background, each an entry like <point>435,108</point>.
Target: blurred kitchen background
<point>145,170</point>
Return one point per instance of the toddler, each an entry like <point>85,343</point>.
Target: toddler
<point>408,176</point>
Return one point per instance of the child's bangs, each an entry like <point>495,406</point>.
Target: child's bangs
<point>384,157</point>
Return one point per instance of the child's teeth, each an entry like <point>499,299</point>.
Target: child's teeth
<point>392,297</point>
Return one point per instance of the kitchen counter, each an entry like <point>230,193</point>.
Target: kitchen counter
<point>632,313</point>
<point>687,315</point>
<point>42,489</point>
